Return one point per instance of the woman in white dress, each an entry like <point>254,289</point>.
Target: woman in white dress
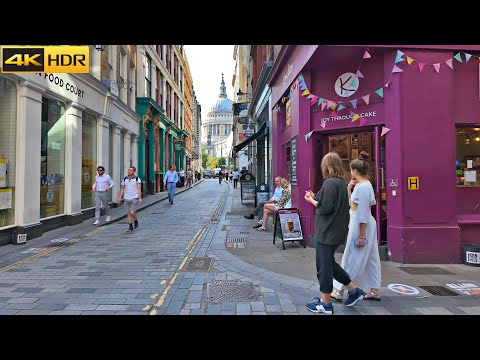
<point>361,259</point>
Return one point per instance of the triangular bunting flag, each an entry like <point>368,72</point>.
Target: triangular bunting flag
<point>355,117</point>
<point>366,98</point>
<point>437,67</point>
<point>353,83</point>
<point>314,100</point>
<point>306,92</point>
<point>359,74</point>
<point>354,103</point>
<point>409,60</point>
<point>388,83</point>
<point>340,107</point>
<point>324,104</point>
<point>346,93</point>
<point>384,130</point>
<point>351,112</point>
<point>307,136</point>
<point>467,57</point>
<point>323,124</point>
<point>399,53</point>
<point>363,121</point>
<point>303,83</point>
<point>367,55</point>
<point>458,57</point>
<point>449,63</point>
<point>396,69</point>
<point>310,96</point>
<point>333,106</point>
<point>320,100</point>
<point>421,66</point>
<point>333,114</point>
<point>300,77</point>
<point>398,59</point>
<point>380,92</point>
<point>302,87</point>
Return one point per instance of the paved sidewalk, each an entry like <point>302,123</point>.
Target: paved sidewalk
<point>294,269</point>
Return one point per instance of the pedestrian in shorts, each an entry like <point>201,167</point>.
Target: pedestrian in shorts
<point>131,190</point>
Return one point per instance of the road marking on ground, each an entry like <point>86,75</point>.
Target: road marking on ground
<point>191,245</point>
<point>46,251</point>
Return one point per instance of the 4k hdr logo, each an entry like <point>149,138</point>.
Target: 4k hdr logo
<point>49,59</point>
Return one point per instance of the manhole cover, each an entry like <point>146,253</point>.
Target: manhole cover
<point>232,291</point>
<point>425,270</point>
<point>439,290</point>
<point>198,264</point>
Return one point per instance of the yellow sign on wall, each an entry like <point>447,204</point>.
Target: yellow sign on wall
<point>413,183</point>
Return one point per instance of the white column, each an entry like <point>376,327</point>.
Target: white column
<point>115,171</point>
<point>28,143</point>
<point>73,163</point>
<point>126,152</point>
<point>134,151</point>
<point>103,144</point>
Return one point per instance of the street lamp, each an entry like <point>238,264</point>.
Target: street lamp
<point>240,94</point>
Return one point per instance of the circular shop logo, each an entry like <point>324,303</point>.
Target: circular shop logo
<point>50,196</point>
<point>347,84</point>
<point>262,187</point>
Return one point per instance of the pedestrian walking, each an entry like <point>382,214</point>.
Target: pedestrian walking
<point>244,170</point>
<point>235,176</point>
<point>181,173</point>
<point>361,258</point>
<point>331,226</point>
<point>103,183</point>
<point>131,191</point>
<point>189,177</point>
<point>171,180</point>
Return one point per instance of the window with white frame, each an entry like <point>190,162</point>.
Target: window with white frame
<point>148,76</point>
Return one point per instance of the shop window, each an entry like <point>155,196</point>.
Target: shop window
<point>89,159</point>
<point>52,157</point>
<point>8,117</point>
<point>288,160</point>
<point>468,156</point>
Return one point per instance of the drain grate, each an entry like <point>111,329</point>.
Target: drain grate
<point>425,270</point>
<point>232,291</point>
<point>60,244</point>
<point>236,240</point>
<point>439,290</point>
<point>198,264</point>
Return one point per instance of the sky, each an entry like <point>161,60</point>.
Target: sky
<point>207,63</point>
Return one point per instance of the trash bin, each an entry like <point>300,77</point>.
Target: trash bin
<point>262,193</point>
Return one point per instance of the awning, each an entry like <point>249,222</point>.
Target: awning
<point>255,136</point>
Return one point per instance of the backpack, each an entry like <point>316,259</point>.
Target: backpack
<point>136,180</point>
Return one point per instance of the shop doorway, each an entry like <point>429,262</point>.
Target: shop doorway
<point>147,168</point>
<point>348,146</point>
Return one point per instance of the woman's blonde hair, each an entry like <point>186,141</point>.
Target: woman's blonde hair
<point>284,183</point>
<point>332,165</point>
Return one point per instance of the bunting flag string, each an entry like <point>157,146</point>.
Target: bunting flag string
<point>307,136</point>
<point>400,57</point>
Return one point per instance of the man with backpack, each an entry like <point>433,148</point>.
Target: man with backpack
<point>131,190</point>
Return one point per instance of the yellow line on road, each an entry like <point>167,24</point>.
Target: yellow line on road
<point>192,243</point>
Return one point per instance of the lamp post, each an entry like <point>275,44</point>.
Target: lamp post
<point>240,94</point>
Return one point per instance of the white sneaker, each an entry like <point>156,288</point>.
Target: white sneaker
<point>260,222</point>
<point>107,219</point>
<point>96,222</point>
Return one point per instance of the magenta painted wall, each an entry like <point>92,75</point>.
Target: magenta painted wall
<point>421,109</point>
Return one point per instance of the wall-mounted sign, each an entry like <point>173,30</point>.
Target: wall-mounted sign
<point>248,130</point>
<point>293,144</point>
<point>347,84</point>
<point>238,107</point>
<point>349,116</point>
<point>413,183</point>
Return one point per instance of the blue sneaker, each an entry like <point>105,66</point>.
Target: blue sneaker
<point>318,306</point>
<point>355,296</point>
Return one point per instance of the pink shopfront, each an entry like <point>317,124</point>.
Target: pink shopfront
<point>415,109</point>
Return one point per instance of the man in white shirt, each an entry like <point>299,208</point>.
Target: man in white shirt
<point>103,183</point>
<point>181,173</point>
<point>276,195</point>
<point>131,191</point>
<point>171,179</point>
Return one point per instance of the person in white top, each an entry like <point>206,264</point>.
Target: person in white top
<point>103,183</point>
<point>235,175</point>
<point>131,190</point>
